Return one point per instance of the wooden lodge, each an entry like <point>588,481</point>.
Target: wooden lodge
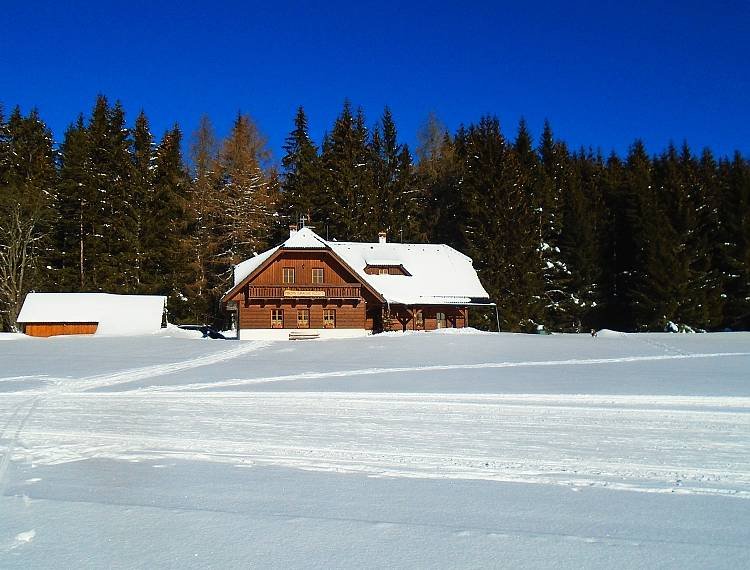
<point>308,287</point>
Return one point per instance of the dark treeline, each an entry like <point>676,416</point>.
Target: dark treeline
<point>570,240</point>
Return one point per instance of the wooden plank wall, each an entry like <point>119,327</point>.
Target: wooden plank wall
<point>54,329</point>
<point>257,316</point>
<point>303,264</point>
<point>456,317</point>
<point>392,270</point>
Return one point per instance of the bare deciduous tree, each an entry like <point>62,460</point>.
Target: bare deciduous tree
<point>19,236</point>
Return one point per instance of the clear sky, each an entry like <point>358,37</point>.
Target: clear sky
<point>603,72</point>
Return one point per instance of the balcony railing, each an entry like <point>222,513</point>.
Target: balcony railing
<point>293,291</point>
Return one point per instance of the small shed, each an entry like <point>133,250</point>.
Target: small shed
<point>51,314</point>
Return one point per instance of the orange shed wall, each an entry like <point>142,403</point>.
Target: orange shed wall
<point>55,329</point>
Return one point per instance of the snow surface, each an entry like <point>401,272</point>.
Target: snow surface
<point>415,450</point>
<point>116,314</point>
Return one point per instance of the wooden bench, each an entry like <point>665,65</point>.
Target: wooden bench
<point>300,335</point>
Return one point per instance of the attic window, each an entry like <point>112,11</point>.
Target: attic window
<point>386,269</point>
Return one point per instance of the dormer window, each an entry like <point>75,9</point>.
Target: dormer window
<point>386,269</point>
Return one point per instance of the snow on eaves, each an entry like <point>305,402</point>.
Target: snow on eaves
<point>245,268</point>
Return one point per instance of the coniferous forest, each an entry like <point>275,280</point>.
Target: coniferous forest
<point>564,238</point>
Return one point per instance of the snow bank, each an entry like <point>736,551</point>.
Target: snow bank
<point>11,336</point>
<point>607,333</point>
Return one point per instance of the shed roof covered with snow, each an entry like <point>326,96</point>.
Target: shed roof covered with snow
<point>114,314</point>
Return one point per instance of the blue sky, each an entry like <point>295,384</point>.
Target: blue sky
<point>603,73</point>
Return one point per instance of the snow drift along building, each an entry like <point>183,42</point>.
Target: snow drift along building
<point>308,285</point>
<point>50,314</point>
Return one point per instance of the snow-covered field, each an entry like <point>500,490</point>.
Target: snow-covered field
<point>420,450</point>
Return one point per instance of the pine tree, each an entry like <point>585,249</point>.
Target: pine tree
<point>733,259</point>
<point>580,242</point>
<point>500,231</point>
<point>349,184</point>
<point>142,186</point>
<point>165,220</point>
<point>548,203</point>
<point>75,208</point>
<point>301,185</point>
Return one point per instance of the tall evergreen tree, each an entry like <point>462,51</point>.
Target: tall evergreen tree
<point>548,203</point>
<point>349,186</point>
<point>75,208</point>
<point>301,184</point>
<point>500,229</point>
<point>141,188</point>
<point>166,247</point>
<point>581,244</point>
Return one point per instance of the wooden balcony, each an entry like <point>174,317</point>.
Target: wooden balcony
<point>294,291</point>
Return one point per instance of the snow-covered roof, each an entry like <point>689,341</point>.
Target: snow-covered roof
<point>116,314</point>
<point>437,274</point>
<point>305,239</point>
<point>302,239</point>
<point>245,268</point>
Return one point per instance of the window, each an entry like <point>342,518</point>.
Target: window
<point>419,318</point>
<point>303,318</point>
<point>288,275</point>
<point>277,318</point>
<point>317,275</point>
<point>329,318</point>
<point>383,271</point>
<point>441,322</point>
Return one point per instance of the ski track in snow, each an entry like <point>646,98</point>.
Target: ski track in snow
<point>134,374</point>
<point>662,444</point>
<point>435,368</point>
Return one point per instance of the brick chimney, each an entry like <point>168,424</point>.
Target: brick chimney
<point>292,229</point>
<point>382,237</point>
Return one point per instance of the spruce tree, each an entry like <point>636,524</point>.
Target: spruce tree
<point>733,259</point>
<point>500,232</point>
<point>548,203</point>
<point>348,182</point>
<point>166,247</point>
<point>580,243</point>
<point>141,188</point>
<point>301,184</point>
<point>75,207</point>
